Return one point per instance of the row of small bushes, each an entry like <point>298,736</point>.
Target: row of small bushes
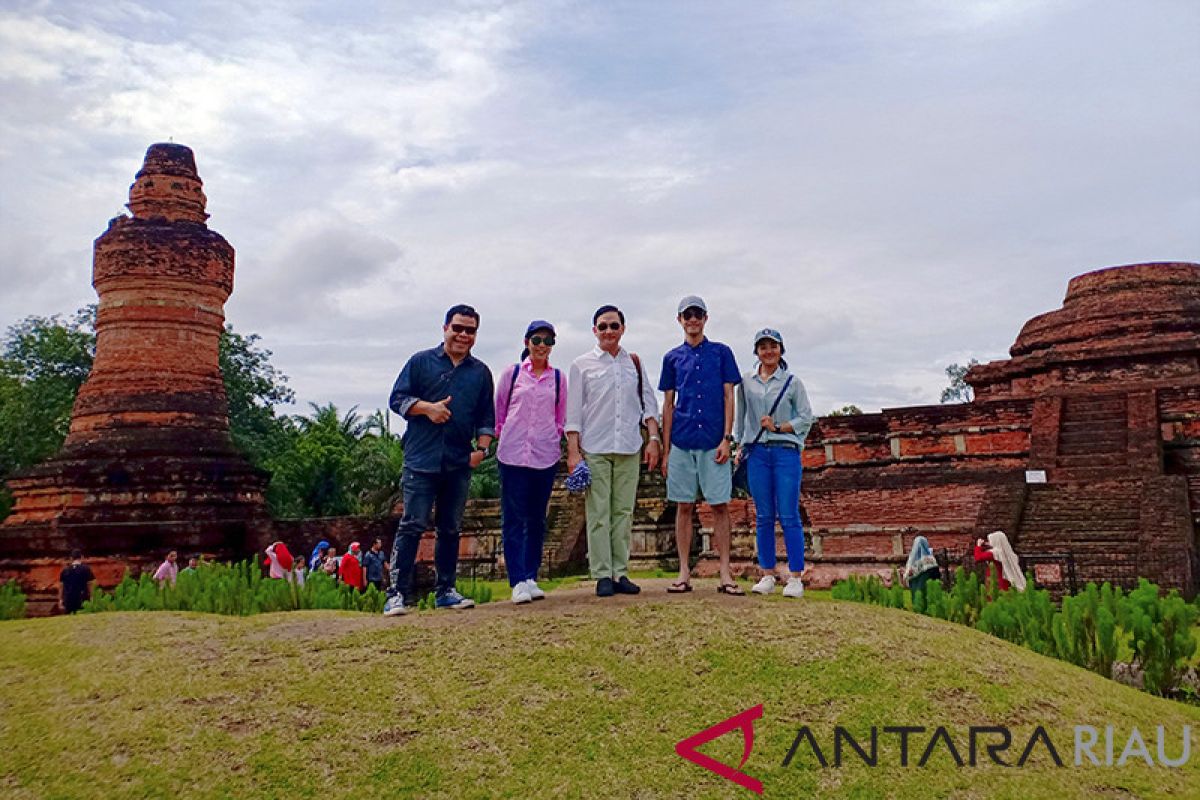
<point>12,601</point>
<point>1089,629</point>
<point>240,590</point>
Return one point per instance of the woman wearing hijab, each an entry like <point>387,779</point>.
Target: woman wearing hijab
<point>279,560</point>
<point>921,568</point>
<point>318,556</point>
<point>998,552</point>
<point>350,569</point>
<point>771,442</point>
<point>531,409</point>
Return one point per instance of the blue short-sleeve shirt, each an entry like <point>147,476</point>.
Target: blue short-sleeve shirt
<point>698,376</point>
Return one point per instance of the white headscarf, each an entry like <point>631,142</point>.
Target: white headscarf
<point>1010,567</point>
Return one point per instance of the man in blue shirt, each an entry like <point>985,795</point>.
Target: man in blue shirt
<point>697,380</point>
<point>445,394</point>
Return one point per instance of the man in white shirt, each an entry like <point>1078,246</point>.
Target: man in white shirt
<point>610,398</point>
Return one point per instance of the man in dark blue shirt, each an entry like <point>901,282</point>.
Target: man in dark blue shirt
<point>697,379</point>
<point>445,394</point>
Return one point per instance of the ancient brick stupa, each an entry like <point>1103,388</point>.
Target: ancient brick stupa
<point>149,463</point>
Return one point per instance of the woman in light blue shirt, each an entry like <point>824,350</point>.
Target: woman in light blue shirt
<point>773,463</point>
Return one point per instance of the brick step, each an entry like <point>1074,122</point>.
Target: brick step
<point>1117,418</point>
<point>1079,443</point>
<point>1065,475</point>
<point>1076,531</point>
<point>1106,424</point>
<point>1093,460</point>
<point>1073,404</point>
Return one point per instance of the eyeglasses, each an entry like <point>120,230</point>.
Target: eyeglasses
<point>693,313</point>
<point>608,326</point>
<point>469,330</point>
<point>546,340</point>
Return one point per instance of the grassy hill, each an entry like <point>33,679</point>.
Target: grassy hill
<point>571,697</point>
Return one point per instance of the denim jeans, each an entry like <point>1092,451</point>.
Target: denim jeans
<point>431,500</point>
<point>524,498</point>
<point>774,477</point>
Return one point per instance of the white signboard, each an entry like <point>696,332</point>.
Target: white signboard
<point>1035,476</point>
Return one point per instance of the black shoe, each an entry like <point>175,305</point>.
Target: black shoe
<point>604,587</point>
<point>626,586</point>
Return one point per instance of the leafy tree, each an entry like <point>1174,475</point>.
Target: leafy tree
<point>959,391</point>
<point>253,388</point>
<point>846,411</point>
<point>43,362</point>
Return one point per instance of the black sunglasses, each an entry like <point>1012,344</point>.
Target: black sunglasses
<point>467,329</point>
<point>546,340</point>
<point>693,313</point>
<point>606,326</point>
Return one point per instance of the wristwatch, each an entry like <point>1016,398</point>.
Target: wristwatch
<point>654,437</point>
<point>481,449</point>
<point>729,437</point>
<point>776,424</point>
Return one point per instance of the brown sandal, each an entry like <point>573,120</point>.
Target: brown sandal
<point>679,587</point>
<point>732,589</point>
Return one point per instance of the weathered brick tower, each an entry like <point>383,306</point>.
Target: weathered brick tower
<point>149,463</point>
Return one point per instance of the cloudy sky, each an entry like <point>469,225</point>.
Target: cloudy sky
<point>897,186</point>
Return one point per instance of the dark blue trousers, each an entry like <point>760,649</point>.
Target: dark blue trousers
<point>524,498</point>
<point>431,500</point>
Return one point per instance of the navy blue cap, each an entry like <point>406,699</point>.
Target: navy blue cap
<point>539,325</point>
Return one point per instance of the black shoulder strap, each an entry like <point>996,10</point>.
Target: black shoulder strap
<point>637,365</point>
<point>774,406</point>
<point>557,386</point>
<point>512,384</point>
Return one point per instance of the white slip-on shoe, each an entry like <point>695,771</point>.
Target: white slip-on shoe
<point>535,591</point>
<point>394,607</point>
<point>521,594</point>
<point>765,585</point>
<point>794,588</point>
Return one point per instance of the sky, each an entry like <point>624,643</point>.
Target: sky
<point>896,186</point>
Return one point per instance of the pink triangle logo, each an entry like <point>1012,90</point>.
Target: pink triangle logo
<point>743,722</point>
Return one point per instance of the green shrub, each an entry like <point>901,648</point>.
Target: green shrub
<point>237,590</point>
<point>1162,637</point>
<point>12,601</point>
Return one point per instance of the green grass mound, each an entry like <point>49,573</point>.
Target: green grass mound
<point>570,697</point>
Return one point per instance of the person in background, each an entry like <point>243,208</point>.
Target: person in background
<point>445,394</point>
<point>279,560</point>
<point>350,569</point>
<point>998,552</point>
<point>531,410</point>
<point>168,570</point>
<point>921,568</point>
<point>331,563</point>
<point>297,573</point>
<point>75,584</point>
<point>698,379</point>
<point>193,565</point>
<point>374,562</point>
<point>318,556</point>
<point>773,463</point>
<point>610,398</point>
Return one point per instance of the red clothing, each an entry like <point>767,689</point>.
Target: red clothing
<point>351,572</point>
<point>993,567</point>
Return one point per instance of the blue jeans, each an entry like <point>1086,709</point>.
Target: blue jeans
<point>423,491</point>
<point>524,498</point>
<point>774,477</point>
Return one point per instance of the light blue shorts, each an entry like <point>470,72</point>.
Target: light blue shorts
<point>691,473</point>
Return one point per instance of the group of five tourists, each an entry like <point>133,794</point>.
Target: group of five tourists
<point>607,408</point>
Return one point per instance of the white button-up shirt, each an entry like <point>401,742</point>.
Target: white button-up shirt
<point>603,406</point>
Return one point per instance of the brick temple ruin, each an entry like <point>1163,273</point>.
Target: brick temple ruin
<point>1085,443</point>
<point>148,462</point>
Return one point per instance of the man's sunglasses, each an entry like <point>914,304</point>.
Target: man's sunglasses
<point>608,326</point>
<point>546,340</point>
<point>693,313</point>
<point>469,330</point>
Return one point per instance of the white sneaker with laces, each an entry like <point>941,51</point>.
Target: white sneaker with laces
<point>394,607</point>
<point>765,585</point>
<point>534,590</point>
<point>794,588</point>
<point>521,594</point>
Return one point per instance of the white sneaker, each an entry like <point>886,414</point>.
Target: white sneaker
<point>534,590</point>
<point>794,588</point>
<point>765,585</point>
<point>394,607</point>
<point>521,594</point>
